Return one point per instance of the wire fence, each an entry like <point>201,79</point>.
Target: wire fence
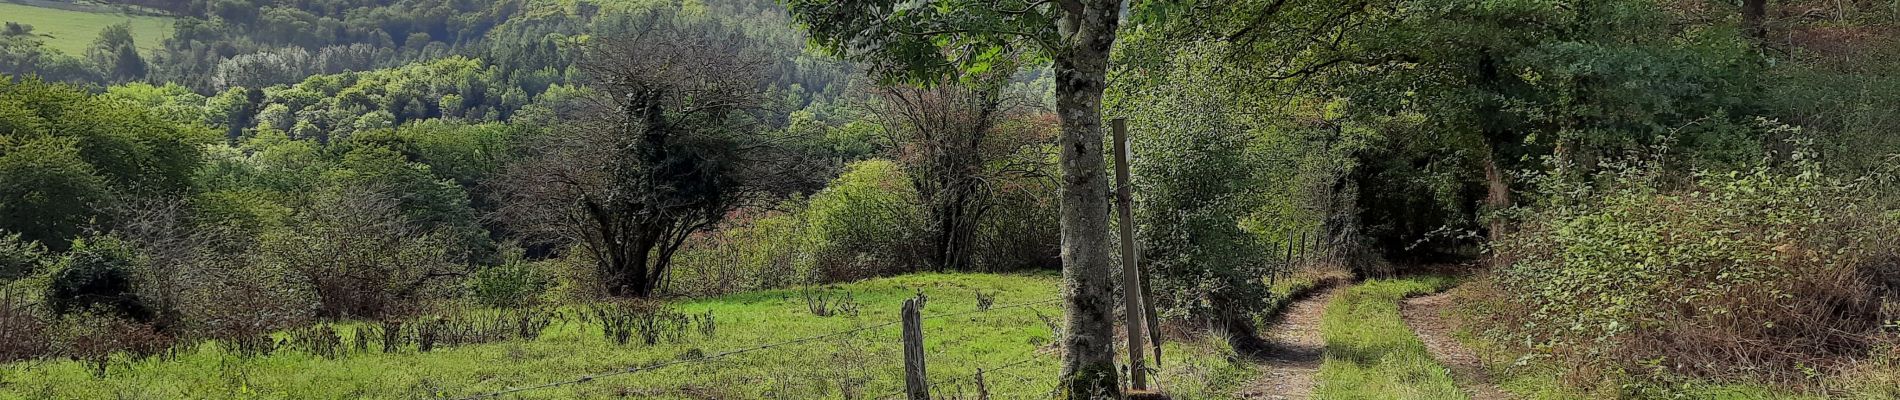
<point>971,376</point>
<point>651,367</point>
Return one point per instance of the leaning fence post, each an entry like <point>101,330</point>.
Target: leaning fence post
<point>916,386</point>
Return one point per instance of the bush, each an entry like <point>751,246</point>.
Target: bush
<point>1758,274</point>
<point>25,335</point>
<point>356,252</point>
<point>19,258</point>
<point>96,275</point>
<point>94,338</point>
<point>757,250</point>
<point>864,224</point>
<point>515,283</point>
<point>238,298</point>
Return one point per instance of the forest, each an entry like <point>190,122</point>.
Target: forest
<point>950,199</point>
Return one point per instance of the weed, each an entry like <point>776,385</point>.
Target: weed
<point>825,303</point>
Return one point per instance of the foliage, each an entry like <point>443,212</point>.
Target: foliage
<point>1195,182</point>
<point>664,153</point>
<point>47,192</point>
<point>97,276</point>
<point>355,255</point>
<point>514,283</point>
<point>860,225</point>
<point>62,151</point>
<point>18,257</point>
<point>117,54</point>
<point>1760,273</point>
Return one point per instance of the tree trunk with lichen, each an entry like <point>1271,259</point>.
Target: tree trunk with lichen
<point>1081,67</point>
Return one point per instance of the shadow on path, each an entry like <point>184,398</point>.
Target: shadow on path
<point>1289,366</point>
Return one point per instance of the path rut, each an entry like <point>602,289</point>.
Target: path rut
<point>1426,316</point>
<point>1290,366</point>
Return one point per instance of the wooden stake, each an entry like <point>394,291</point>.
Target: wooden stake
<point>916,383</point>
<point>1131,263</point>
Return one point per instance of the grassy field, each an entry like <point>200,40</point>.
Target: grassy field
<point>72,31</point>
<point>1371,354</point>
<point>863,365</point>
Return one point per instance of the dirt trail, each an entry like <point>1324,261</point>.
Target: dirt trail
<point>1426,316</point>
<point>1297,345</point>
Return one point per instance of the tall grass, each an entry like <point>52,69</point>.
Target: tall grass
<point>1371,354</point>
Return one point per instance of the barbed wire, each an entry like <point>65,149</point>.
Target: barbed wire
<point>650,367</point>
<point>979,371</point>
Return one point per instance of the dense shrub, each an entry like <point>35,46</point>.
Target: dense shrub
<point>1198,180</point>
<point>515,283</point>
<point>241,297</point>
<point>19,258</point>
<point>863,224</point>
<point>860,226</point>
<point>1759,273</point>
<point>354,250</point>
<point>757,250</point>
<point>96,275</point>
<point>95,338</point>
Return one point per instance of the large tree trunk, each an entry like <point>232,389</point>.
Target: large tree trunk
<point>1497,196</point>
<point>1088,365</point>
<point>1753,12</point>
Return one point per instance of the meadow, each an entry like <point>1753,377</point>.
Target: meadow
<point>71,30</point>
<point>1013,343</point>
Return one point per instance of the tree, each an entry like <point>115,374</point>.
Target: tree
<point>925,41</point>
<point>1754,12</point>
<point>938,134</point>
<point>47,192</point>
<point>97,275</point>
<point>19,258</point>
<point>665,147</point>
<point>117,54</point>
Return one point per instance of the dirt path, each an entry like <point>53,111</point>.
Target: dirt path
<point>1295,358</point>
<point>1426,316</point>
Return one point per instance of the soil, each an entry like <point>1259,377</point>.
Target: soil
<point>1426,316</point>
<point>1291,364</point>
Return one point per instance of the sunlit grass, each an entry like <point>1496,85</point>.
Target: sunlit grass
<point>1371,354</point>
<point>71,31</point>
<point>864,365</point>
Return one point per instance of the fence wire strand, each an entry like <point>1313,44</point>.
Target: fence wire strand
<point>979,371</point>
<point>714,356</point>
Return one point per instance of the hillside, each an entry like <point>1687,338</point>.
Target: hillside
<point>72,30</point>
<point>1088,199</point>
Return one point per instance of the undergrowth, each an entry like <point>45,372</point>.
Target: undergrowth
<point>1645,285</point>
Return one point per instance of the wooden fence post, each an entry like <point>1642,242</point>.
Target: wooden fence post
<point>1131,263</point>
<point>916,383</point>
<point>982,388</point>
<point>1288,259</point>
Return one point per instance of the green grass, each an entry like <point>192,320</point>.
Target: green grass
<point>865,365</point>
<point>71,31</point>
<point>1371,354</point>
